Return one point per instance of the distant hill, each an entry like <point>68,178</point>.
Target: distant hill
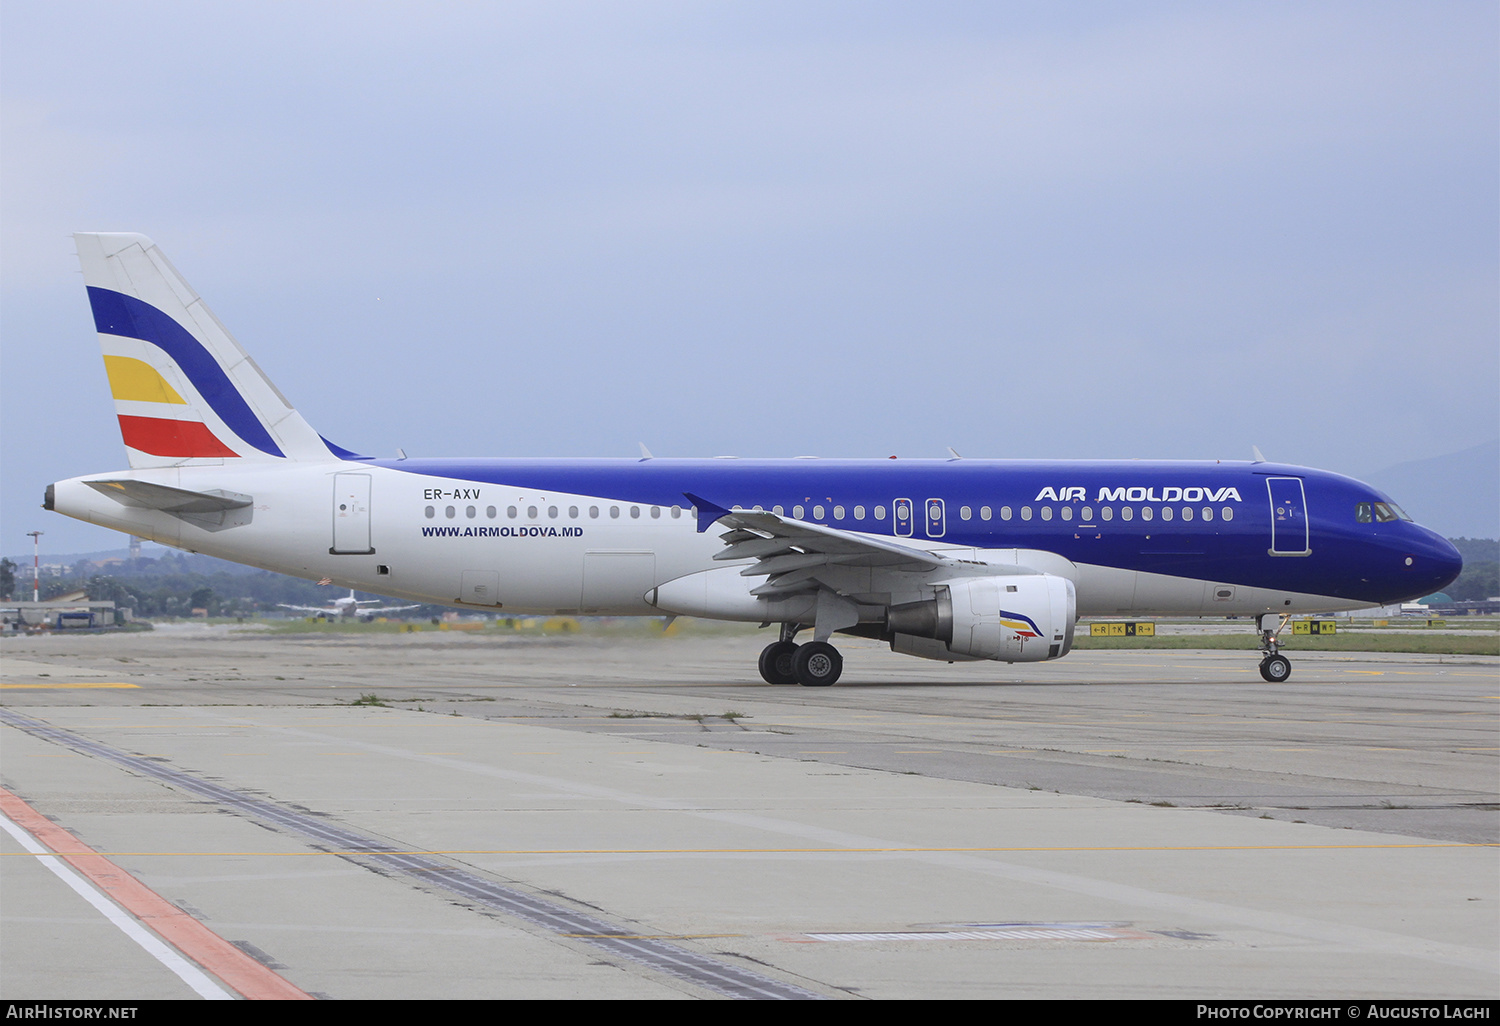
<point>178,560</point>
<point>1457,495</point>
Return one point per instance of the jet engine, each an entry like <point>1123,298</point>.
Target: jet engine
<point>1025,618</point>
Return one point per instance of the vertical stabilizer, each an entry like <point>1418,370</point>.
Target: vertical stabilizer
<point>184,390</point>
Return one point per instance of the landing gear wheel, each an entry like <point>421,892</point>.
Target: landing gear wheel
<point>776,662</point>
<point>817,664</point>
<point>1275,668</point>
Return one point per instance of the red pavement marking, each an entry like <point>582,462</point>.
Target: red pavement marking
<point>231,965</point>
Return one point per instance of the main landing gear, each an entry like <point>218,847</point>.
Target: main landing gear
<point>816,664</point>
<point>1274,667</point>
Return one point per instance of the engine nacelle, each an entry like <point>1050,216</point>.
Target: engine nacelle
<point>1024,618</point>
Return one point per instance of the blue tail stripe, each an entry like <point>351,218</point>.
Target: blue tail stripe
<point>119,314</point>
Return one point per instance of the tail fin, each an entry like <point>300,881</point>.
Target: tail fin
<point>185,392</point>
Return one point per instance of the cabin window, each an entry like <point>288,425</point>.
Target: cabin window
<point>1146,513</point>
<point>1025,512</point>
<point>1208,512</point>
<point>1166,512</point>
<point>431,512</point>
<point>614,512</point>
<point>1126,512</point>
<point>859,512</point>
<point>796,512</point>
<point>1107,513</point>
<point>530,512</point>
<point>1227,513</point>
<point>985,513</point>
<point>838,512</point>
<point>677,512</point>
<point>1187,512</point>
<point>552,512</point>
<point>1046,512</point>
<point>449,512</point>
<point>879,512</point>
<point>593,512</point>
<point>817,512</point>
<point>1088,513</point>
<point>656,512</point>
<point>965,513</point>
<point>778,510</point>
<point>510,511</point>
<point>635,512</point>
<point>470,512</point>
<point>1067,512</point>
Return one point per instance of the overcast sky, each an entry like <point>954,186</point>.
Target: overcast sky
<point>1085,230</point>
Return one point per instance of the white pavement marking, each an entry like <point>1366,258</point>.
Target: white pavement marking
<point>154,946</point>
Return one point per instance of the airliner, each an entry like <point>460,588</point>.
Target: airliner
<point>348,606</point>
<point>949,559</point>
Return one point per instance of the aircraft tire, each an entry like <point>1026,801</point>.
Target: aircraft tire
<point>777,662</point>
<point>817,664</point>
<point>1276,668</point>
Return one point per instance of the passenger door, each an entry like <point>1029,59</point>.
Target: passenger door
<point>1289,524</point>
<point>351,515</point>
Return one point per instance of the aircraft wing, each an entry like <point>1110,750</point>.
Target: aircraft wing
<point>387,609</point>
<point>308,609</point>
<point>791,553</point>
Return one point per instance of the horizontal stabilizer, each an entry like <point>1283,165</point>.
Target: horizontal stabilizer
<point>144,495</point>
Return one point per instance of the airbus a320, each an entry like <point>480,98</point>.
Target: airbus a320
<point>947,559</point>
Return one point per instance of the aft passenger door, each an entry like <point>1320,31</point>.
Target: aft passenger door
<point>351,515</point>
<point>1289,525</point>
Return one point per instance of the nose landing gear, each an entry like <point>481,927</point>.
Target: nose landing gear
<point>1274,667</point>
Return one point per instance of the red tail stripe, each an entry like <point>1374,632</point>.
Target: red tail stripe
<point>183,438</point>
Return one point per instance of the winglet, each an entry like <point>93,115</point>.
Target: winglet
<point>709,513</point>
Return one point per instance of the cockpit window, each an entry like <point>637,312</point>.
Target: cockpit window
<point>1379,512</point>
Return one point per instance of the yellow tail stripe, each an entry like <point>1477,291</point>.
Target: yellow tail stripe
<point>138,381</point>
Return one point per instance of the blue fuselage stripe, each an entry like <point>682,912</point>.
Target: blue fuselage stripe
<point>1377,563</point>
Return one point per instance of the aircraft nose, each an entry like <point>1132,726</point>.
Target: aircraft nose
<point>1437,563</point>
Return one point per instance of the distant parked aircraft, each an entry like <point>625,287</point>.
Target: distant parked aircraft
<point>351,606</point>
